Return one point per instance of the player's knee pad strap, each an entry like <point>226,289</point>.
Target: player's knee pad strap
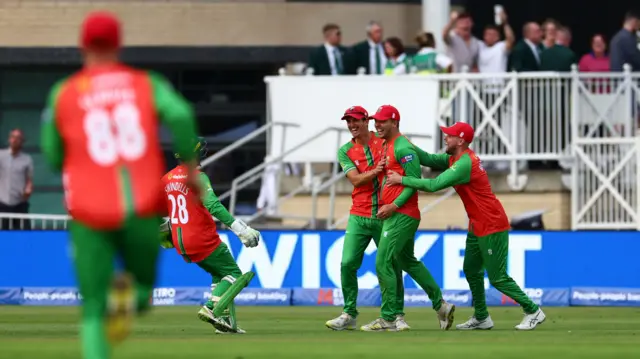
<point>229,279</point>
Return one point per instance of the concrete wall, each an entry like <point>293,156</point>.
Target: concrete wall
<point>212,23</point>
<point>451,212</point>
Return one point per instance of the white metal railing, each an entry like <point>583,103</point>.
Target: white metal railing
<point>246,139</point>
<point>586,121</point>
<point>543,116</point>
<point>21,221</point>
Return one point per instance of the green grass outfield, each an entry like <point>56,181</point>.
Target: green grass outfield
<point>299,332</point>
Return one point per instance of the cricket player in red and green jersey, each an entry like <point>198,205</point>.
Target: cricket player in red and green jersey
<point>100,128</point>
<point>401,217</point>
<point>193,234</point>
<point>488,238</point>
<point>363,163</point>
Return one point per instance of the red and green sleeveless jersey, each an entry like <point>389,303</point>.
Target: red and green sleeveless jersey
<point>101,129</point>
<point>470,180</point>
<point>193,229</point>
<point>353,156</point>
<point>403,159</point>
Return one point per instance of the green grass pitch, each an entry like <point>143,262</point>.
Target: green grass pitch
<point>299,332</point>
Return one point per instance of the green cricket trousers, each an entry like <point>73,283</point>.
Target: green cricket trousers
<point>223,270</point>
<point>396,253</point>
<point>94,252</point>
<point>360,231</point>
<point>490,252</point>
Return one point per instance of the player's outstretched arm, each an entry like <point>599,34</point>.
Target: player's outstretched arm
<point>176,113</point>
<point>459,173</point>
<point>408,158</point>
<point>437,161</point>
<point>356,178</point>
<point>50,139</point>
<point>212,203</point>
<point>249,236</point>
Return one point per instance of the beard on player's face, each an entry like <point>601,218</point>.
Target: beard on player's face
<point>452,143</point>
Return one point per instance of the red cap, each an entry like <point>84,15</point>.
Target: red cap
<point>357,112</point>
<point>459,129</point>
<point>101,31</point>
<point>386,112</point>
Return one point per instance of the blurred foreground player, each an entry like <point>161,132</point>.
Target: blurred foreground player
<point>100,128</point>
<point>488,238</point>
<point>363,163</point>
<point>192,231</point>
<point>401,217</point>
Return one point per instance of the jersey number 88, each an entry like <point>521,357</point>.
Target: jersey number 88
<point>128,141</point>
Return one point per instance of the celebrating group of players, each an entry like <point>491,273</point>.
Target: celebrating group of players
<point>384,168</point>
<point>100,128</point>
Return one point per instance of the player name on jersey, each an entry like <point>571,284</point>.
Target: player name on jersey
<point>103,98</point>
<point>177,186</point>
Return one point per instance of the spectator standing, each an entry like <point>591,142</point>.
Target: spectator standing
<point>398,62</point>
<point>559,57</point>
<point>597,60</point>
<point>494,52</point>
<point>525,55</point>
<point>16,180</point>
<point>331,58</point>
<point>428,60</point>
<point>493,58</point>
<point>462,46</point>
<point>624,45</point>
<point>550,31</point>
<point>369,53</point>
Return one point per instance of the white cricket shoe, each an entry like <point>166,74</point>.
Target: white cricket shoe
<point>445,315</point>
<point>227,319</point>
<point>401,324</point>
<point>475,324</point>
<point>531,321</point>
<point>380,325</point>
<point>206,315</point>
<point>343,322</point>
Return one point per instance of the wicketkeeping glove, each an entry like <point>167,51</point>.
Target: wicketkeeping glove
<point>165,234</point>
<point>249,236</point>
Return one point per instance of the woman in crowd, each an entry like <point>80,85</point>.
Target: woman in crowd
<point>597,60</point>
<point>428,60</point>
<point>399,63</point>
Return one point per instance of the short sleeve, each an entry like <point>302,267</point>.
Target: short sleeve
<point>443,61</point>
<point>345,162</point>
<point>29,167</point>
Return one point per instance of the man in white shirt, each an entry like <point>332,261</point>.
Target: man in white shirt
<point>494,52</point>
<point>493,58</point>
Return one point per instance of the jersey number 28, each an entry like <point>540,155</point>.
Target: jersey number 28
<point>107,146</point>
<point>179,208</point>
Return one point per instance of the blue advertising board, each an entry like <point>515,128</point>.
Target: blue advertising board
<point>311,260</point>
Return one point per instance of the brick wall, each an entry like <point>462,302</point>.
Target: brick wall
<point>199,23</point>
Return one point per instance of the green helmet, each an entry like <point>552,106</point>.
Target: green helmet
<point>199,148</point>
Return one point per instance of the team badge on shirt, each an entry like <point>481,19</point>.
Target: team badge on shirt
<point>406,159</point>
